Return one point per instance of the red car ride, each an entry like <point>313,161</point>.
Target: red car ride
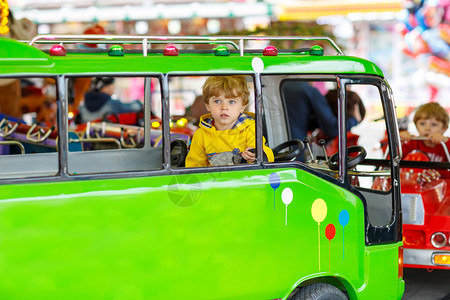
<point>425,189</point>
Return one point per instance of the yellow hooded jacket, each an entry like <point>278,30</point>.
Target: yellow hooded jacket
<point>211,147</point>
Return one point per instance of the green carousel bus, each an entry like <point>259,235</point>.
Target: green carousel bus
<point>105,208</point>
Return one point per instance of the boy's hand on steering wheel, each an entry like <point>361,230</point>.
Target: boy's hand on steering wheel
<point>437,138</point>
<point>405,136</point>
<point>249,154</point>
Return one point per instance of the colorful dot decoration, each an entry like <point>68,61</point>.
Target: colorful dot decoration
<point>4,13</point>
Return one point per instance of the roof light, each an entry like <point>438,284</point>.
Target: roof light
<point>270,51</point>
<point>116,50</point>
<point>58,50</point>
<point>155,124</point>
<point>171,50</point>
<point>222,51</point>
<point>316,50</point>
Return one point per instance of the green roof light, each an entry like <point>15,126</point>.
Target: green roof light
<point>222,51</point>
<point>116,50</point>
<point>316,50</point>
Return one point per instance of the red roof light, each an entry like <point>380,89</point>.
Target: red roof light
<point>270,51</point>
<point>170,51</point>
<point>58,50</point>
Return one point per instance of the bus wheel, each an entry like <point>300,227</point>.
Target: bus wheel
<point>319,291</point>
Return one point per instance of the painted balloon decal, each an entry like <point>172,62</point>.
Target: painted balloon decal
<point>330,233</point>
<point>257,65</point>
<point>319,212</point>
<point>344,218</point>
<point>286,197</point>
<point>274,180</point>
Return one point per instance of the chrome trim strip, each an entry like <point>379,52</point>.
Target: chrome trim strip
<point>422,257</point>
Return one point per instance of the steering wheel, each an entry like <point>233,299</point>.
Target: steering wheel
<point>333,161</point>
<point>295,148</point>
<point>178,152</point>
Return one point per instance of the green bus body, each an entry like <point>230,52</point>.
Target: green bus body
<point>186,234</point>
<point>144,238</point>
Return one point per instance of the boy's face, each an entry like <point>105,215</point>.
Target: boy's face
<point>225,111</point>
<point>429,126</point>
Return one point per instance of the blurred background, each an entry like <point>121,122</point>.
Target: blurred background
<point>409,40</point>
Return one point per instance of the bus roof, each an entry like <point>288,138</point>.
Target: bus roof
<point>19,58</point>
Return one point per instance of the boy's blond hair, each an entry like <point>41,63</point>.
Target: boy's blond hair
<point>432,110</point>
<point>231,86</point>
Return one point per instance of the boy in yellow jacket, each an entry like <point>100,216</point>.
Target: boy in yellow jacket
<point>227,134</point>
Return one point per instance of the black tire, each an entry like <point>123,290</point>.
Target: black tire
<point>319,291</point>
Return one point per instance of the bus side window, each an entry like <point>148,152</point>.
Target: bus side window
<point>111,132</point>
<point>368,131</point>
<point>190,113</point>
<point>373,181</point>
<point>28,127</point>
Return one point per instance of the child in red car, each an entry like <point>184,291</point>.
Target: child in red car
<point>431,121</point>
